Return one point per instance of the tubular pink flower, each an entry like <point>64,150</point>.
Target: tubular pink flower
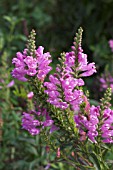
<point>11,83</point>
<point>30,95</point>
<point>111,44</point>
<point>27,65</point>
<point>88,73</point>
<point>83,66</point>
<point>70,59</point>
<point>19,73</point>
<point>43,62</point>
<point>31,121</point>
<point>89,124</point>
<point>30,124</point>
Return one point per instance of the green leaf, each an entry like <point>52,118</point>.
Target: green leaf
<point>105,146</point>
<point>94,159</point>
<point>8,18</point>
<point>33,150</point>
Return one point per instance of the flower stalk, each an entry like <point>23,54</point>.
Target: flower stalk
<point>62,113</point>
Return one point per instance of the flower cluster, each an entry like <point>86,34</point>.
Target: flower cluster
<point>61,104</point>
<point>106,81</point>
<point>61,92</point>
<point>63,86</point>
<point>87,125</point>
<point>64,91</point>
<point>29,66</point>
<point>53,93</point>
<point>36,120</point>
<point>107,127</point>
<point>79,62</point>
<point>90,125</point>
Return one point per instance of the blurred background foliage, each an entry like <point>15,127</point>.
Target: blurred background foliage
<point>55,22</point>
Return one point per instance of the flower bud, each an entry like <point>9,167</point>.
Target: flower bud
<point>58,153</point>
<point>30,95</point>
<point>47,149</point>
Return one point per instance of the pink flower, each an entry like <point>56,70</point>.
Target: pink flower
<point>34,121</point>
<point>11,84</point>
<point>28,65</point>
<point>90,124</point>
<point>84,67</point>
<point>70,59</point>
<point>111,44</point>
<point>30,95</point>
<point>19,73</point>
<point>29,123</point>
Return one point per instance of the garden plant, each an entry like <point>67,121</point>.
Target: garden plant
<point>78,133</point>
